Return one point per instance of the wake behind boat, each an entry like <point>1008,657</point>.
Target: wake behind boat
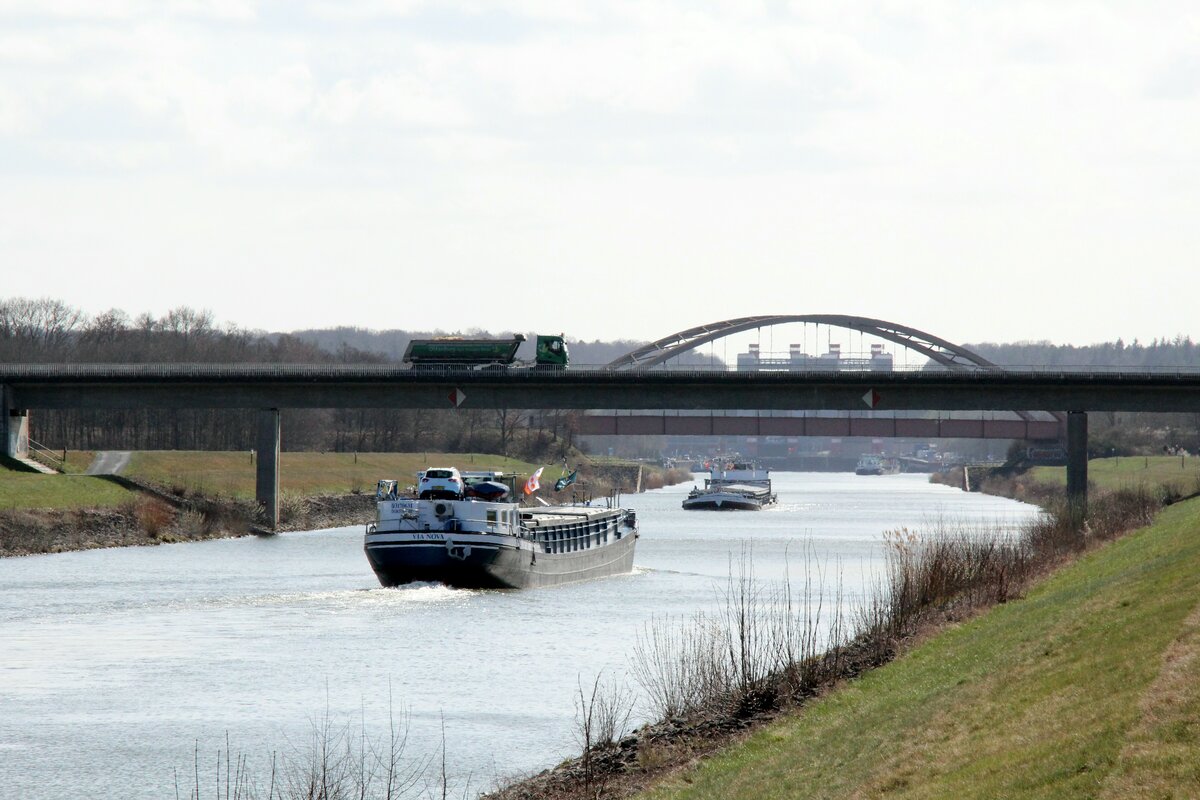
<point>469,535</point>
<point>738,487</point>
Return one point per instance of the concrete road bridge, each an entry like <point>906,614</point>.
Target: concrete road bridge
<point>955,381</point>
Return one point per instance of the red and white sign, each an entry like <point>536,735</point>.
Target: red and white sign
<point>457,397</point>
<point>871,398</point>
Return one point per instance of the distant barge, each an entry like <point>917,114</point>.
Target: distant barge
<point>739,487</point>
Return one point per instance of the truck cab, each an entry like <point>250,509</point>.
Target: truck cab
<point>551,352</point>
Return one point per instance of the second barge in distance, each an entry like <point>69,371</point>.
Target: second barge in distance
<point>486,542</point>
<point>739,487</point>
<point>876,465</point>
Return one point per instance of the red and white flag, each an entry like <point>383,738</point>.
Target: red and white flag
<point>532,484</point>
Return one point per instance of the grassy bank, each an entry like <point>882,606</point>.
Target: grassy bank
<point>1089,686</point>
<point>1180,472</point>
<point>232,474</point>
<point>173,496</point>
<point>34,490</point>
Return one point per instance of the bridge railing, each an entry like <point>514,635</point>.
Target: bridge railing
<point>374,372</point>
<point>54,459</point>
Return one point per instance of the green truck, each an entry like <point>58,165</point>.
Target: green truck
<point>551,353</point>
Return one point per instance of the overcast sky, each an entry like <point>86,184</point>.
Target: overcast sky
<point>983,171</point>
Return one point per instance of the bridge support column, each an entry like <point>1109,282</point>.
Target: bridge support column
<point>14,426</point>
<point>1077,464</point>
<point>266,485</point>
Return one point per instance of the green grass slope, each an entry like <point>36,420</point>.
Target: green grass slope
<point>233,474</point>
<point>33,490</point>
<point>1183,473</point>
<point>1087,687</point>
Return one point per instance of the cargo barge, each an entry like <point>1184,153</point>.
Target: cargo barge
<point>480,543</point>
<point>737,487</point>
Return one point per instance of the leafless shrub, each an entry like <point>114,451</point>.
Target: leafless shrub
<point>656,479</point>
<point>340,761</point>
<point>953,566</point>
<point>764,642</point>
<point>153,515</point>
<point>291,506</point>
<point>768,642</point>
<point>804,656</point>
<point>677,665</point>
<point>1112,513</point>
<point>653,480</point>
<point>235,517</point>
<point>192,524</point>
<point>601,717</point>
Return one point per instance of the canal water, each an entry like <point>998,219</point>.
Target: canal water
<point>118,667</point>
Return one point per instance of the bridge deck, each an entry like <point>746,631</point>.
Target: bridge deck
<point>382,386</point>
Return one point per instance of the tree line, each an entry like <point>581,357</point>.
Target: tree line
<point>45,330</point>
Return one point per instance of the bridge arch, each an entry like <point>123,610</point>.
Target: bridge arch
<point>935,348</point>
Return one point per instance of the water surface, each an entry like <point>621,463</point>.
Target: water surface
<point>115,665</point>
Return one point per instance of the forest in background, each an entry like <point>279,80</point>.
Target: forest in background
<point>45,330</point>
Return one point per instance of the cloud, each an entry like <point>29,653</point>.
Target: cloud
<point>118,10</point>
<point>395,98</point>
<point>29,49</point>
<point>228,10</point>
<point>17,115</point>
<point>1019,136</point>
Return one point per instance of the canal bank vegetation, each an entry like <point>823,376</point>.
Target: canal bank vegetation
<point>173,496</point>
<point>1169,478</point>
<point>1087,686</point>
<point>338,760</point>
<point>999,692</point>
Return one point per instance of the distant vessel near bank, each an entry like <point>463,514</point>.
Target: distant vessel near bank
<point>876,465</point>
<point>467,534</point>
<point>737,487</point>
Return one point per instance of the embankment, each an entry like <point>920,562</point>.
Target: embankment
<point>152,517</point>
<point>157,513</point>
<point>1088,686</point>
<point>1065,664</point>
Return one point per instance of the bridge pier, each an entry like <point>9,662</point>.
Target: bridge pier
<point>14,425</point>
<point>1077,464</point>
<point>266,484</point>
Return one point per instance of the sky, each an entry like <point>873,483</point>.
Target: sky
<point>983,171</point>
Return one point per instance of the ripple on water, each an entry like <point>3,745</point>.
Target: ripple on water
<point>413,594</point>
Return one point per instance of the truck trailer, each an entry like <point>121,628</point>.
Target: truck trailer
<point>551,352</point>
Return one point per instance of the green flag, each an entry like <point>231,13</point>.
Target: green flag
<point>565,481</point>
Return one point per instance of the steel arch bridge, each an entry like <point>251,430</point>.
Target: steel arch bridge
<point>935,348</point>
